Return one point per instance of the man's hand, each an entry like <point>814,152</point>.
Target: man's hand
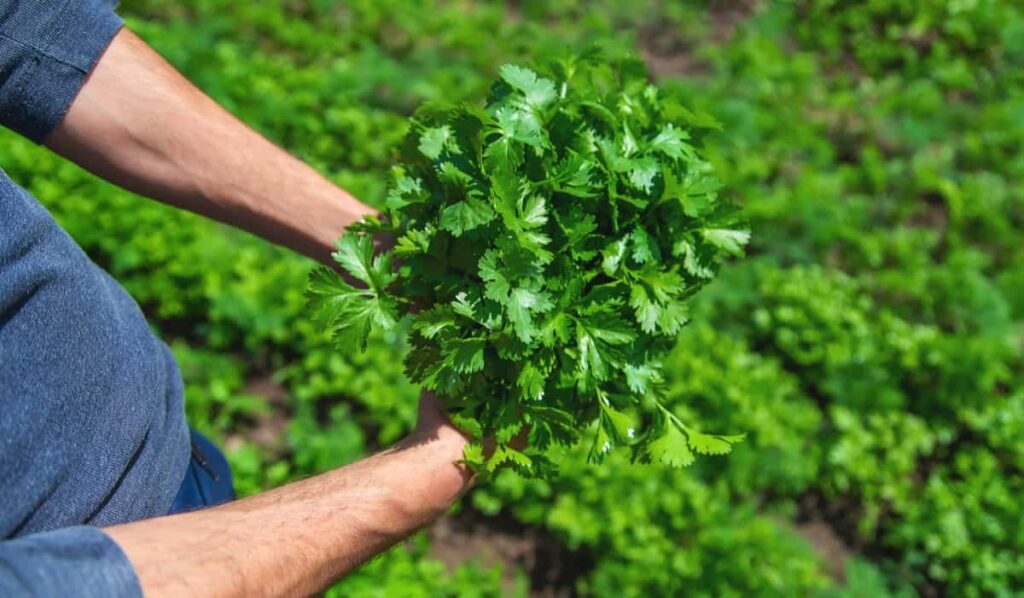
<point>297,539</point>
<point>141,125</point>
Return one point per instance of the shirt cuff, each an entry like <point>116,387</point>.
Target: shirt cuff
<point>73,561</point>
<point>50,48</point>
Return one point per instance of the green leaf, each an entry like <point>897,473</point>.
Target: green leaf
<point>671,448</point>
<point>610,329</point>
<point>329,295</point>
<point>645,247</point>
<point>434,140</point>
<point>621,425</point>
<point>473,456</point>
<point>693,261</point>
<point>669,141</point>
<point>641,378</point>
<point>465,216</point>
<point>531,381</point>
<point>349,314</point>
<point>539,92</point>
<point>406,191</point>
<point>713,444</point>
<point>467,355</point>
<point>534,212</point>
<point>648,312</point>
<point>520,126</point>
<point>642,172</point>
<point>355,254</point>
<point>432,322</point>
<point>613,255</point>
<point>729,240</point>
<point>507,455</point>
<point>603,444</point>
<point>464,307</point>
<point>496,285</point>
<point>414,242</point>
<point>523,304</point>
<point>594,338</point>
<point>573,175</point>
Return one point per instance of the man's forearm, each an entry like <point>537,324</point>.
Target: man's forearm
<point>141,125</point>
<point>299,538</point>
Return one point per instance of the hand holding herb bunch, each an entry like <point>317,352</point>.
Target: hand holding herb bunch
<point>550,242</point>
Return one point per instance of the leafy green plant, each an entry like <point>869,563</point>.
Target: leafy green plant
<point>547,245</point>
<point>877,143</point>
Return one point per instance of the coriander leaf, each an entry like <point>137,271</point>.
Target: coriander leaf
<point>669,141</point>
<point>329,296</point>
<point>729,240</point>
<point>463,306</point>
<point>647,311</point>
<point>433,141</point>
<point>348,313</point>
<point>671,448</point>
<point>620,424</point>
<point>539,92</point>
<point>504,454</point>
<point>645,247</point>
<point>595,336</point>
<point>465,216</point>
<point>642,172</point>
<point>496,285</point>
<point>523,304</point>
<point>613,255</point>
<point>406,190</point>
<point>433,321</point>
<point>355,254</point>
<point>467,355</point>
<point>641,378</point>
<point>531,381</point>
<point>534,212</point>
<point>713,444</point>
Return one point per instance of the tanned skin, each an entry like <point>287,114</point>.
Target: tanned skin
<point>141,125</point>
<point>299,538</point>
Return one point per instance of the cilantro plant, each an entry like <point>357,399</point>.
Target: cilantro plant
<point>546,247</point>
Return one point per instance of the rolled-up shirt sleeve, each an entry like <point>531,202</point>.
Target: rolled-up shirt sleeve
<point>74,561</point>
<point>47,48</point>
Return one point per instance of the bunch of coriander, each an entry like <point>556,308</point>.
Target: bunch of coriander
<point>546,246</point>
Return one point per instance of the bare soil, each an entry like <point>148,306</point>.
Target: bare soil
<point>827,543</point>
<point>471,536</point>
<point>265,430</point>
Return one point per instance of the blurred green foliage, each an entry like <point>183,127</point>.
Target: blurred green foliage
<point>872,347</point>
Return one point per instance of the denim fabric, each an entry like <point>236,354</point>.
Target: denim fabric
<point>92,427</point>
<point>74,561</point>
<point>208,479</point>
<point>46,50</point>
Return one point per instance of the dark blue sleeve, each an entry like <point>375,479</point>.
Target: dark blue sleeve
<point>74,561</point>
<point>47,48</point>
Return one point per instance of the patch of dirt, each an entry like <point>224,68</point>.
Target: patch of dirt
<point>668,54</point>
<point>470,536</point>
<point>841,514</point>
<point>726,15</point>
<point>934,213</point>
<point>266,429</point>
<point>829,545</point>
<point>672,64</point>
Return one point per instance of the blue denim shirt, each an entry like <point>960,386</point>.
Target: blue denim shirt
<point>92,428</point>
